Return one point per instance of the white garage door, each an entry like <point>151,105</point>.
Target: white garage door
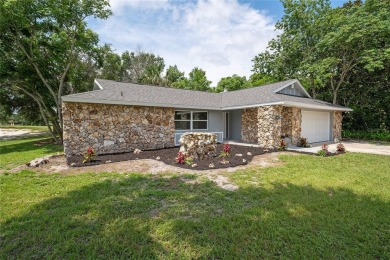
<point>315,126</point>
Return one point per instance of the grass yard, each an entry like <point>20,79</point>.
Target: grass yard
<point>30,127</point>
<point>309,207</point>
<point>16,152</point>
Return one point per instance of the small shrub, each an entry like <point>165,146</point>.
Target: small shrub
<point>188,160</point>
<point>303,142</point>
<point>324,150</point>
<point>322,153</point>
<point>282,145</point>
<point>89,155</point>
<point>340,148</point>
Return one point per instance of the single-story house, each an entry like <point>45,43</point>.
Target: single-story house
<point>119,117</point>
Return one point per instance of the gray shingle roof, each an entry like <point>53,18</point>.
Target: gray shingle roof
<point>113,92</point>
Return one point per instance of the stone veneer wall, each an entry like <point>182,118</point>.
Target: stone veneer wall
<point>265,125</point>
<point>337,124</point>
<point>287,115</point>
<point>116,128</point>
<point>296,123</point>
<point>270,125</point>
<point>291,123</point>
<point>249,127</point>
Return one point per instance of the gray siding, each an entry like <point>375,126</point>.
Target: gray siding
<point>215,123</point>
<point>235,117</point>
<point>296,91</point>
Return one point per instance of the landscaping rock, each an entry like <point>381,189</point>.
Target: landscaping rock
<point>108,161</point>
<point>211,165</point>
<point>38,162</point>
<point>194,165</point>
<point>198,145</point>
<point>239,154</point>
<point>137,151</point>
<point>249,153</point>
<point>158,158</point>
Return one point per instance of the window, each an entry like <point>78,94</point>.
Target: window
<point>182,120</point>
<point>190,120</point>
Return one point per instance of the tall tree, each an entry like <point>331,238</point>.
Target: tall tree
<point>359,35</point>
<point>172,75</point>
<point>111,64</point>
<point>142,67</point>
<point>293,53</point>
<point>232,83</point>
<point>39,45</point>
<point>258,79</point>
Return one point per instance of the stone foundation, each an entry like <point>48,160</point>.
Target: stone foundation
<point>337,124</point>
<point>199,144</point>
<point>116,128</point>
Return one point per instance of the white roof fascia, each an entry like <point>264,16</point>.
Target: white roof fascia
<point>97,84</point>
<point>319,107</point>
<point>133,103</point>
<point>299,84</point>
<point>254,105</point>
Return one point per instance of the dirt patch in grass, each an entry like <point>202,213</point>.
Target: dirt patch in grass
<point>240,155</point>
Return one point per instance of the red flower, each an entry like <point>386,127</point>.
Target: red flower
<point>226,148</point>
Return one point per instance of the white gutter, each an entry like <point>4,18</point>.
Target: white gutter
<point>255,105</point>
<point>319,107</point>
<point>133,103</point>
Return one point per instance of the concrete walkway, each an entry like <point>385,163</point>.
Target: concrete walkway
<point>350,146</point>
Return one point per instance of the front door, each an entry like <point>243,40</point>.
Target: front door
<point>226,125</point>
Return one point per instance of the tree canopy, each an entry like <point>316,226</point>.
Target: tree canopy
<point>329,49</point>
<point>41,43</point>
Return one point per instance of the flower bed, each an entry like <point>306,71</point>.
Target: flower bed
<point>169,155</point>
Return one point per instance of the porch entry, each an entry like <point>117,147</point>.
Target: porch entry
<point>225,125</point>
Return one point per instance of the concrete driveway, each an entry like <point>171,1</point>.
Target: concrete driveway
<point>350,146</point>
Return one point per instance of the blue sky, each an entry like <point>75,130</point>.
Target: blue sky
<point>219,36</point>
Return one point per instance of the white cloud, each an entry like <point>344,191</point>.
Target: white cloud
<point>118,6</point>
<point>219,36</point>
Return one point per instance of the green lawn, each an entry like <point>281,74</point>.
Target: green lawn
<point>16,152</point>
<point>30,127</point>
<point>309,207</point>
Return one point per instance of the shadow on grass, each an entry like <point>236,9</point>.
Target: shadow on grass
<point>24,145</point>
<point>154,217</point>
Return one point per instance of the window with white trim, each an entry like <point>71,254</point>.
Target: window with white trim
<point>191,120</point>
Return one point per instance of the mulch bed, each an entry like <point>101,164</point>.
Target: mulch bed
<point>168,156</point>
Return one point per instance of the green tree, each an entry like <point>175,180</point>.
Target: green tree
<point>197,80</point>
<point>172,75</point>
<point>359,35</point>
<point>142,67</point>
<point>232,83</point>
<point>110,63</point>
<point>40,43</point>
<point>293,53</point>
<point>258,79</point>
